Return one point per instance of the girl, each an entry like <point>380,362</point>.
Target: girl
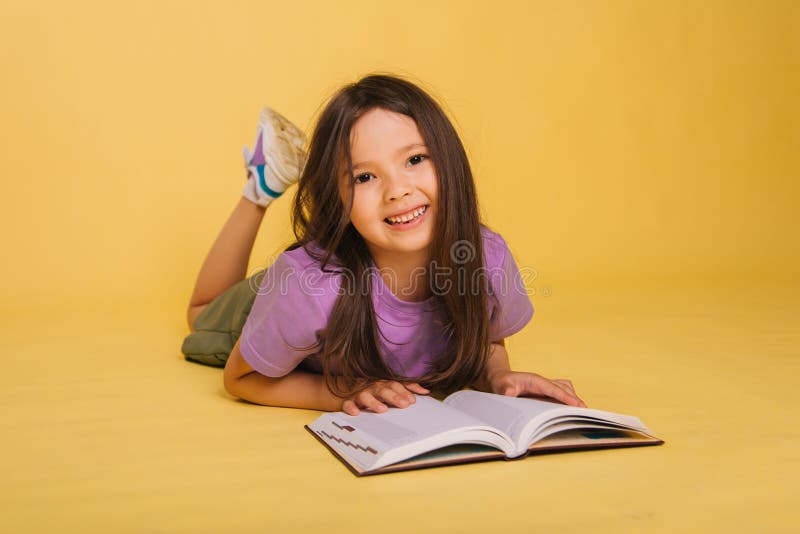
<point>393,287</point>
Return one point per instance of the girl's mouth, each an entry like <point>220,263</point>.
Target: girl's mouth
<point>410,219</point>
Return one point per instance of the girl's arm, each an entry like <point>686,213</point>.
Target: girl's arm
<point>226,263</point>
<point>298,389</point>
<point>497,362</point>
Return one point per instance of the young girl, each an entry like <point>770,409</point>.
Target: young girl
<point>393,287</point>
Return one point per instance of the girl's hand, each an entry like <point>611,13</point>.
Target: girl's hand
<point>516,384</point>
<point>376,396</point>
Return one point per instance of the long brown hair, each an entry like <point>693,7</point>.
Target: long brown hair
<point>319,215</point>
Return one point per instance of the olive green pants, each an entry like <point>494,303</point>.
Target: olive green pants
<point>220,324</point>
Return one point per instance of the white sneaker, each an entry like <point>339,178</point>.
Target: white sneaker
<point>277,159</point>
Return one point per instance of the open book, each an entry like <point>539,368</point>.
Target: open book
<point>470,426</point>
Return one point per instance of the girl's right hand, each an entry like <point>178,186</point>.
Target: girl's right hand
<point>377,396</point>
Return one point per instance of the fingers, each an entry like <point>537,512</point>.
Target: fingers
<point>416,388</point>
<point>400,395</point>
<point>559,389</point>
<point>395,394</point>
<point>569,396</point>
<point>380,395</point>
<point>349,407</point>
<point>367,400</point>
<point>566,384</point>
<point>558,392</point>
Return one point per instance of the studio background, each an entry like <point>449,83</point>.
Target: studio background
<point>640,156</point>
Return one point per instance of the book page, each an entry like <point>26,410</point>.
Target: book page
<point>521,417</point>
<point>399,426</point>
<point>368,437</point>
<point>489,408</point>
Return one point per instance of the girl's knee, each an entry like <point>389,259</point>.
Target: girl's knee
<point>192,314</point>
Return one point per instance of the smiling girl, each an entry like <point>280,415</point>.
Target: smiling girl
<point>393,287</point>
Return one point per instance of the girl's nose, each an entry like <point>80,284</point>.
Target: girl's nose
<point>398,186</point>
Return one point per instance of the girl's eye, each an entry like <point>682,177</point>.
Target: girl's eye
<point>415,160</point>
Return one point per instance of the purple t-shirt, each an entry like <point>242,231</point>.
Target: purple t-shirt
<point>295,299</point>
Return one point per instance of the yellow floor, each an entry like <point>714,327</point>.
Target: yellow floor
<point>107,429</point>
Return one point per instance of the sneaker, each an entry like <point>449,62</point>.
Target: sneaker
<point>277,158</point>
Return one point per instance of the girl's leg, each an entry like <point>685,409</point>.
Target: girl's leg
<point>226,263</point>
<point>274,165</point>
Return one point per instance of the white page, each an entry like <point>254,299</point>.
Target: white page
<point>367,437</point>
<point>519,415</point>
<point>553,428</point>
<point>400,426</point>
<point>490,409</point>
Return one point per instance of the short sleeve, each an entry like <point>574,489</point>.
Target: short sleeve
<point>285,322</point>
<point>511,307</point>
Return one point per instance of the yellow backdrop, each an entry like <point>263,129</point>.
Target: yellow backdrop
<point>638,155</point>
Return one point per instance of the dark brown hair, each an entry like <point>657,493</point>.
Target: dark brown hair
<point>319,215</point>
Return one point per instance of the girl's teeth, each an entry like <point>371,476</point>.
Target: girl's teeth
<point>406,218</point>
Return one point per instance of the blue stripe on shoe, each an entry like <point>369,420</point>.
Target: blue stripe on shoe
<point>262,182</point>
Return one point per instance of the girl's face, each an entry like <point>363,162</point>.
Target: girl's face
<point>395,181</point>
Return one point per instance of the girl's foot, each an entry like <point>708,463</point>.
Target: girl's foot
<point>277,159</point>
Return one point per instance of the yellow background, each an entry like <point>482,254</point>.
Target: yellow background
<point>641,156</point>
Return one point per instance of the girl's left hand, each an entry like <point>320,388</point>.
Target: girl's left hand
<point>517,384</point>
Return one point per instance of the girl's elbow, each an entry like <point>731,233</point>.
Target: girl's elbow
<point>235,369</point>
<point>231,379</point>
<point>230,383</point>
